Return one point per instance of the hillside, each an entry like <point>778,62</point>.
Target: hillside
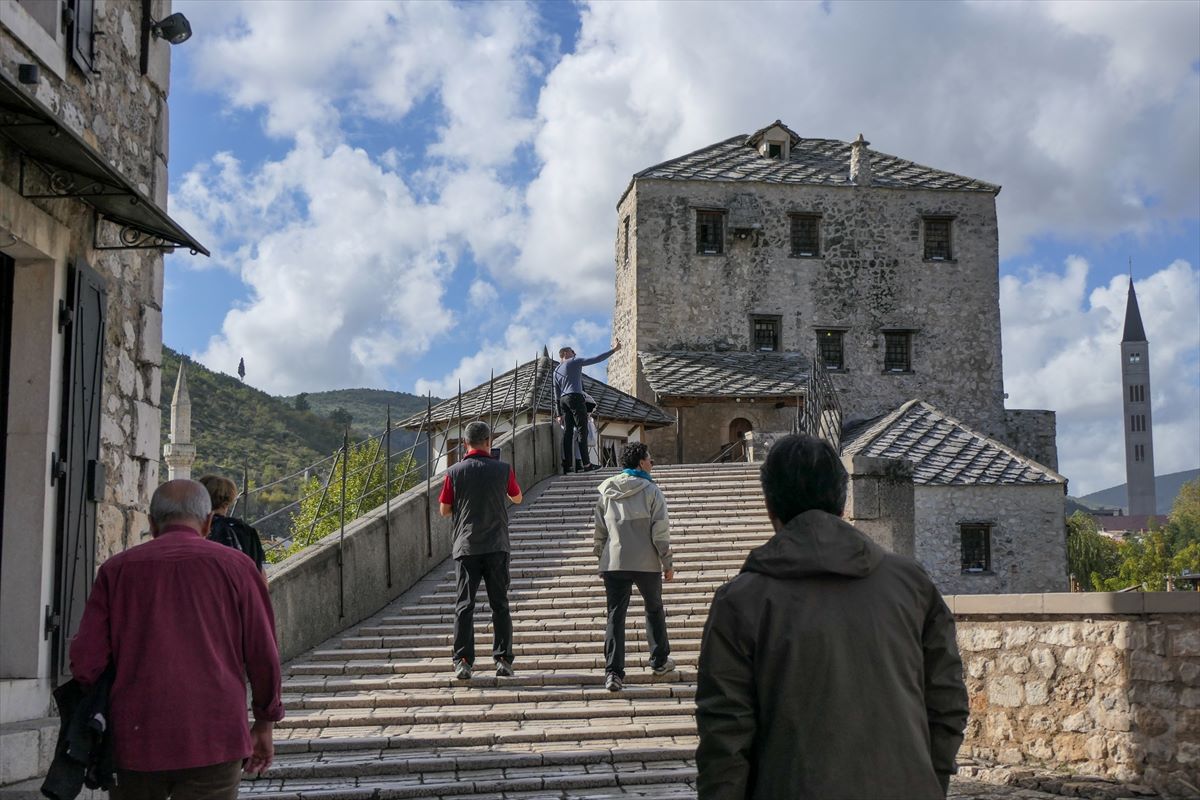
<point>367,407</point>
<point>233,423</point>
<point>1166,488</point>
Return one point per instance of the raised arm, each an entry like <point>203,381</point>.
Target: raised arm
<point>584,362</point>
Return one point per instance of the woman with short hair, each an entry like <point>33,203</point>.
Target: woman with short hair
<point>231,531</point>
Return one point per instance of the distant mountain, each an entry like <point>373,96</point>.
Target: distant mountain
<point>367,407</point>
<point>234,425</point>
<point>1166,488</point>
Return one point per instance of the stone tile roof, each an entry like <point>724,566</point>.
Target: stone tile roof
<point>675,373</point>
<point>498,394</point>
<point>819,162</point>
<point>943,451</point>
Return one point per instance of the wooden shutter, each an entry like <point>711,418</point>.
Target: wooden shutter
<point>78,472</point>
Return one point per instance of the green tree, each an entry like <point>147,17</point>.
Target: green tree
<point>341,417</point>
<point>1183,523</point>
<point>301,402</point>
<point>1090,554</point>
<point>319,513</point>
<point>1186,560</point>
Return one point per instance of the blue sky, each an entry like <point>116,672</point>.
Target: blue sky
<point>408,195</point>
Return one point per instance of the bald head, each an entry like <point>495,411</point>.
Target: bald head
<point>180,502</point>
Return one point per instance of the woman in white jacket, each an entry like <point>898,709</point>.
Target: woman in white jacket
<point>633,543</point>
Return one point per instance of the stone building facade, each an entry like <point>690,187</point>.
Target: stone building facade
<point>83,188</point>
<point>987,519</point>
<point>885,269</point>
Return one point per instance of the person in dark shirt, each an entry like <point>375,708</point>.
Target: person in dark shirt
<point>231,531</point>
<point>473,494</point>
<point>570,402</point>
<point>183,622</point>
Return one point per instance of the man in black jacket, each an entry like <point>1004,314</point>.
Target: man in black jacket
<point>474,494</point>
<point>829,667</point>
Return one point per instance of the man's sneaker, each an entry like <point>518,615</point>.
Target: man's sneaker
<point>613,682</point>
<point>664,667</point>
<point>503,669</point>
<point>589,468</point>
<point>462,670</point>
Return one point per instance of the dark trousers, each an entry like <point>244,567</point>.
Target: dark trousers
<point>492,568</point>
<point>214,782</point>
<point>618,586</point>
<point>575,429</point>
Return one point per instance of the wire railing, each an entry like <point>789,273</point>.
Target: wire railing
<point>818,409</point>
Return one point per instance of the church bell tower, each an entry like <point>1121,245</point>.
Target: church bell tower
<point>1138,422</point>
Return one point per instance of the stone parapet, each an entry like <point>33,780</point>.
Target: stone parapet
<point>880,501</point>
<point>1094,684</point>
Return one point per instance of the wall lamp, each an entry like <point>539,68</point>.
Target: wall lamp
<point>174,29</point>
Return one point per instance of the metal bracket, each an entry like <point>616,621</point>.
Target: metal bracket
<point>51,623</point>
<point>58,469</point>
<point>128,237</point>
<point>59,183</point>
<point>66,315</point>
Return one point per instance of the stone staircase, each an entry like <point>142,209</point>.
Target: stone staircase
<point>377,712</point>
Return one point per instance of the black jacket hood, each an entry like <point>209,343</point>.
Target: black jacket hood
<point>816,543</point>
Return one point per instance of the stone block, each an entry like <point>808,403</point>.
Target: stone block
<point>1185,641</point>
<point>1172,603</point>
<point>1036,693</point>
<point>1043,660</point>
<point>146,421</point>
<point>1018,636</point>
<point>1006,691</point>
<point>18,756</point>
<point>973,638</point>
<point>126,374</point>
<point>1092,603</point>
<point>151,344</point>
<point>1076,658</point>
<point>1146,666</point>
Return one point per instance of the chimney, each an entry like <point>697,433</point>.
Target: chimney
<point>860,162</point>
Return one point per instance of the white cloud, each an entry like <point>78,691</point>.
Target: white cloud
<point>1086,113</point>
<point>1062,351</point>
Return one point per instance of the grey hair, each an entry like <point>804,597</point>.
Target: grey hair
<point>478,432</point>
<point>178,501</point>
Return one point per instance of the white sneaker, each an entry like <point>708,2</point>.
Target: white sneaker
<point>503,669</point>
<point>462,670</point>
<point>664,667</point>
<point>613,682</point>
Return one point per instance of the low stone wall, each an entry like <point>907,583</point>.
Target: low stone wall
<point>313,601</point>
<point>1097,684</point>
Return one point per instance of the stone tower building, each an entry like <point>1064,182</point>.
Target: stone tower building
<point>1138,422</point>
<point>756,254</point>
<point>180,453</point>
<point>83,227</point>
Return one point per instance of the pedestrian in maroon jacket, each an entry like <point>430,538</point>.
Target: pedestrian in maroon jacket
<point>185,621</point>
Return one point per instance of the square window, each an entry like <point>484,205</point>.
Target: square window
<point>830,345</point>
<point>710,233</point>
<point>806,235</point>
<point>937,239</point>
<point>976,548</point>
<point>766,333</point>
<point>897,351</point>
<point>775,150</point>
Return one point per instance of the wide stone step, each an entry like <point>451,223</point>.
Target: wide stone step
<point>434,671</point>
<point>465,695</point>
<point>351,646</point>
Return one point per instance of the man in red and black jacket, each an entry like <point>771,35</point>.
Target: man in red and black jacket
<point>474,494</point>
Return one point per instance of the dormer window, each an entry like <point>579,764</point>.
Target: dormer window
<point>775,150</point>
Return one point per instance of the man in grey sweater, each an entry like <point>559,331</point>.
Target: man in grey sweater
<point>571,405</point>
<point>633,543</point>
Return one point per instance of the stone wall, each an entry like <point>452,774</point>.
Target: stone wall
<point>879,501</point>
<point>1089,684</point>
<point>871,277</point>
<point>1028,537</point>
<point>123,115</point>
<point>1033,433</point>
<point>706,428</point>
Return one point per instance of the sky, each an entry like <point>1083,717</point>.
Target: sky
<point>410,195</point>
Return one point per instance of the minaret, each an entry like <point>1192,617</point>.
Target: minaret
<point>179,453</point>
<point>1137,421</point>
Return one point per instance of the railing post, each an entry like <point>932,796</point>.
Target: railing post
<point>429,475</point>
<point>387,494</point>
<point>491,421</point>
<point>245,488</point>
<point>516,367</point>
<point>342,535</point>
<point>535,402</point>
